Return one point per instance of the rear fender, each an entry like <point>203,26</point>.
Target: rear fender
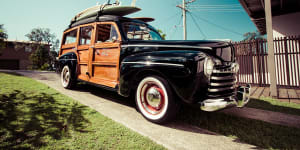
<point>69,59</point>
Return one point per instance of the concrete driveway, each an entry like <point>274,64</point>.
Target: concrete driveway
<point>173,135</point>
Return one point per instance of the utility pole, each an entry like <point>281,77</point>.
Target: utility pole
<point>184,10</point>
<point>184,19</point>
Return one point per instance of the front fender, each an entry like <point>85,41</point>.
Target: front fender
<point>179,69</point>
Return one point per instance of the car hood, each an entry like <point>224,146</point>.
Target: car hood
<point>177,44</point>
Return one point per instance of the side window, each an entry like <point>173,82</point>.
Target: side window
<point>106,33</point>
<point>70,37</point>
<point>85,35</point>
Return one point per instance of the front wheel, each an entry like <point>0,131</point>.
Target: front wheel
<point>155,99</point>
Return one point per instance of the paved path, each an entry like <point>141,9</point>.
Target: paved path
<point>177,136</point>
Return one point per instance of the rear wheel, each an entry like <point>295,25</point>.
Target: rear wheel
<point>155,99</point>
<point>67,80</point>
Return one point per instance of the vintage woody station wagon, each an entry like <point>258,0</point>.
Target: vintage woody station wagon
<point>129,56</point>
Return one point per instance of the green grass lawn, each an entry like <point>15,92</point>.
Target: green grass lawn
<point>275,105</point>
<point>34,116</point>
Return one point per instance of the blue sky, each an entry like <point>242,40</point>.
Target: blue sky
<point>19,17</point>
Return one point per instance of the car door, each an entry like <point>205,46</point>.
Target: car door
<point>105,55</point>
<point>85,42</point>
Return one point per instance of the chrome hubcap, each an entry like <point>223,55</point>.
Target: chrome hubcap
<point>153,97</point>
<point>66,77</point>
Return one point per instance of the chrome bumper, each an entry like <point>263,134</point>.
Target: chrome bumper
<point>240,99</point>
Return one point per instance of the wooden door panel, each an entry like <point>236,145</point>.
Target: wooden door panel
<point>85,40</point>
<point>106,55</point>
<point>105,74</point>
<point>83,68</point>
<point>83,56</point>
<point>105,64</point>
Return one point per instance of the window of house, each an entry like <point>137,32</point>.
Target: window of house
<point>28,49</point>
<point>85,35</point>
<point>70,37</point>
<point>106,33</point>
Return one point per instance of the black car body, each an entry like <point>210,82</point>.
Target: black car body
<point>161,73</point>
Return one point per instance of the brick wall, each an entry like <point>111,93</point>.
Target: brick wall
<point>17,51</point>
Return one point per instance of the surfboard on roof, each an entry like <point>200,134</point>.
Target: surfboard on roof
<point>106,9</point>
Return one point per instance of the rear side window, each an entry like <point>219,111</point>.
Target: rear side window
<point>70,37</point>
<point>106,33</point>
<point>85,35</point>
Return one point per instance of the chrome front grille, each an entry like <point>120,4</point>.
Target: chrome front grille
<point>222,81</point>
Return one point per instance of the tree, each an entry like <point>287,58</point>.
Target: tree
<point>163,35</point>
<point>252,36</point>
<point>42,58</point>
<point>43,35</point>
<point>3,34</point>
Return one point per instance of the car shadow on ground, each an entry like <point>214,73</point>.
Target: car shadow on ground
<point>260,104</point>
<point>28,120</point>
<point>242,130</point>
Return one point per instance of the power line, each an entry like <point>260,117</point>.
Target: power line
<point>171,17</point>
<point>218,10</point>
<point>171,35</point>
<point>221,27</point>
<point>197,25</point>
<point>230,5</point>
<point>217,5</point>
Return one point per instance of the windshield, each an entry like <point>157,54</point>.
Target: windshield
<point>139,31</point>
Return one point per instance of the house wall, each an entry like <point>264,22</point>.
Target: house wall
<point>13,53</point>
<point>286,25</point>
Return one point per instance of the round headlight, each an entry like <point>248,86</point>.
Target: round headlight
<point>208,66</point>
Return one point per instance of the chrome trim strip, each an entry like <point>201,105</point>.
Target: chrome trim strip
<point>153,63</point>
<point>222,84</point>
<point>222,96</point>
<point>172,46</point>
<point>230,77</point>
<point>67,59</point>
<point>223,71</point>
<point>220,89</point>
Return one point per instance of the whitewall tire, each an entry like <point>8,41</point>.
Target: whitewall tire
<point>67,80</point>
<point>155,99</point>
